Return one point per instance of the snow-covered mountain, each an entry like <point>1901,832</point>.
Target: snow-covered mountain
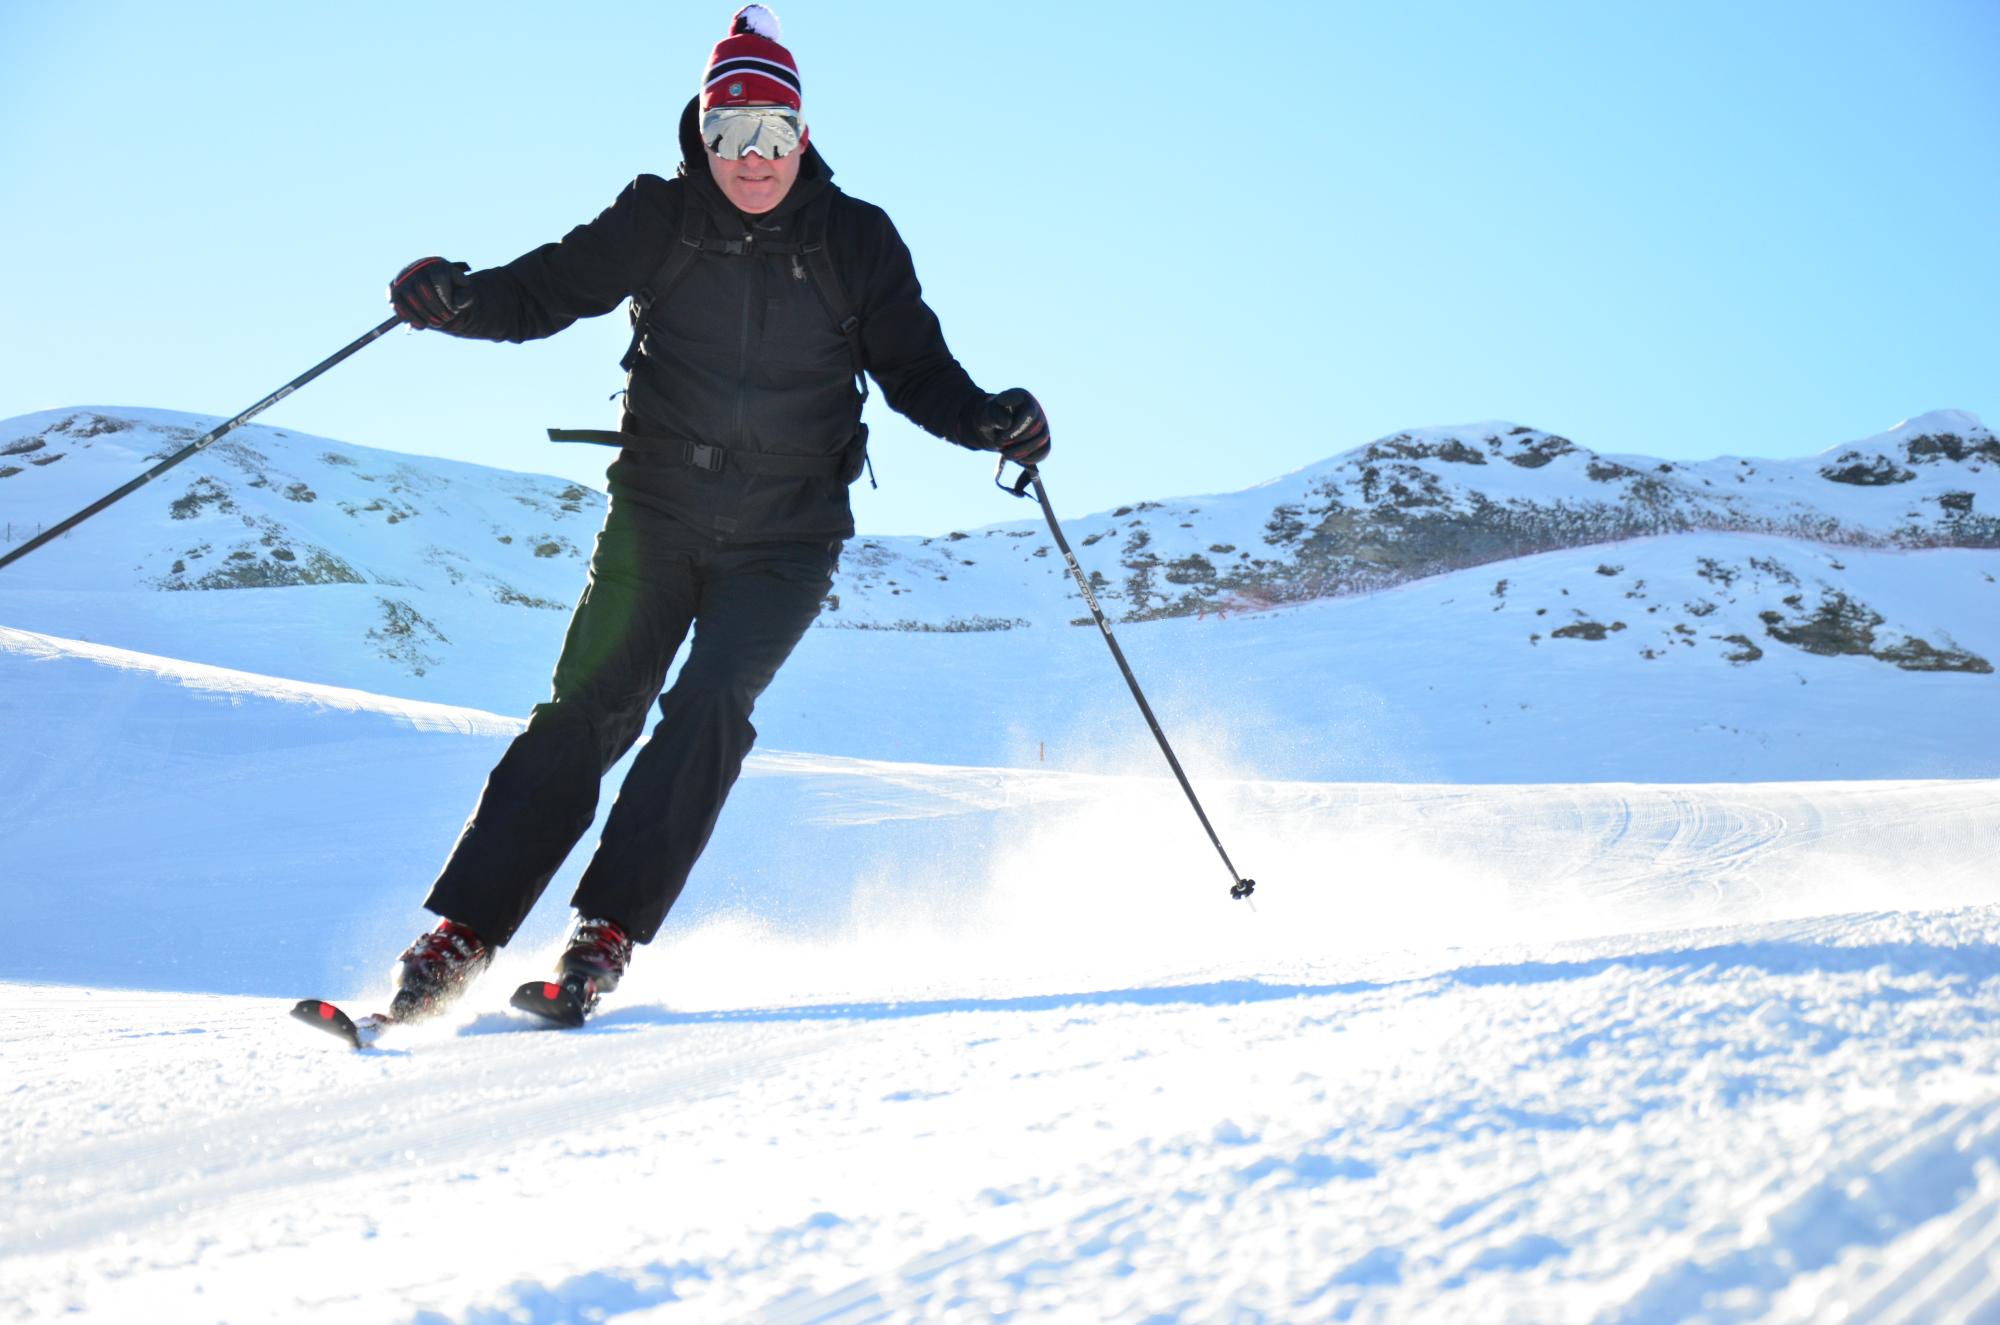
<point>1482,595</point>
<point>269,508</point>
<point>287,553</point>
<point>1425,502</point>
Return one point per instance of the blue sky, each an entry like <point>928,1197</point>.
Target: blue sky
<point>1219,241</point>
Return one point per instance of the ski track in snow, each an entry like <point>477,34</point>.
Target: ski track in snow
<point>1597,1052</point>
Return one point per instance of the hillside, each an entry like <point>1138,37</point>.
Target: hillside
<point>1424,502</point>
<point>287,553</point>
<point>1509,569</point>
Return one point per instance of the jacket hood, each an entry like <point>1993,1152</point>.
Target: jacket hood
<point>814,173</point>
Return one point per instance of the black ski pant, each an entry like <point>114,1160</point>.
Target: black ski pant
<point>651,578</point>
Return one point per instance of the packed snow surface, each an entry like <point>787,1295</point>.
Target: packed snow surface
<point>952,1043</point>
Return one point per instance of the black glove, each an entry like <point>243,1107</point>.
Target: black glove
<point>1013,424</point>
<point>431,292</point>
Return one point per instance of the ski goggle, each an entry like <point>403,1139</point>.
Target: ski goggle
<point>734,132</point>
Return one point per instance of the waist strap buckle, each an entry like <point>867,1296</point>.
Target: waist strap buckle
<point>702,456</point>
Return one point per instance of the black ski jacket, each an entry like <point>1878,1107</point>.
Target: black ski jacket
<point>742,354</point>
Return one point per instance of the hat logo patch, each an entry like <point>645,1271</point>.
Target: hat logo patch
<point>736,89</point>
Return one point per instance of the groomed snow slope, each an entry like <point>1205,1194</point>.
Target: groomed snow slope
<point>971,1043</point>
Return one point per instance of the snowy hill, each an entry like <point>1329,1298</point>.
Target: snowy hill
<point>1781,620</point>
<point>267,508</point>
<point>290,554</point>
<point>1425,502</point>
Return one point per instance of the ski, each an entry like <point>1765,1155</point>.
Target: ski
<point>324,1016</point>
<point>565,1002</point>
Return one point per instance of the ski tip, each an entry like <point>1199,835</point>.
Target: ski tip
<point>324,1016</point>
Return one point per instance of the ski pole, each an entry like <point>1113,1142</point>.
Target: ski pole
<point>1239,886</point>
<point>200,443</point>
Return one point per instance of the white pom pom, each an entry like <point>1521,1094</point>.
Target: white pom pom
<point>759,20</point>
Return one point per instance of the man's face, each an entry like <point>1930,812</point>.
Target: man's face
<point>754,184</point>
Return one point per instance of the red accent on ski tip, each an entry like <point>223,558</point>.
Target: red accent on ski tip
<point>326,1012</point>
<point>550,991</point>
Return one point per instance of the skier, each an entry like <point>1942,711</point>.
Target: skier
<point>761,293</point>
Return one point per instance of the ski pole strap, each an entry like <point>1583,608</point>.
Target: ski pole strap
<point>1239,887</point>
<point>714,459</point>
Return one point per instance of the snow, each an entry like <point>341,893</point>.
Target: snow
<point>1773,1121</point>
<point>452,582</point>
<point>1579,985</point>
<point>1959,422</point>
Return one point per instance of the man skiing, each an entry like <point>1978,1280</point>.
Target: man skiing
<point>761,293</point>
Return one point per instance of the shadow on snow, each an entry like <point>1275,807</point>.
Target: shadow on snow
<point>1968,963</point>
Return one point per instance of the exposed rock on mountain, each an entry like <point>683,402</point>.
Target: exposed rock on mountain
<point>435,568</point>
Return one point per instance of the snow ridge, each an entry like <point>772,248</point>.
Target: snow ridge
<point>1676,587</point>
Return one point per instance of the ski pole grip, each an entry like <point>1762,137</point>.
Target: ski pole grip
<point>1019,487</point>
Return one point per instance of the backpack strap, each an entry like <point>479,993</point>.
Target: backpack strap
<point>818,260</point>
<point>826,283</point>
<point>832,294</point>
<point>680,256</point>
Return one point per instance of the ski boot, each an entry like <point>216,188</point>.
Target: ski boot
<point>434,971</point>
<point>590,967</point>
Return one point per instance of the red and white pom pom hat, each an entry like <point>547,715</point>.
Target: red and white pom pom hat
<point>750,66</point>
